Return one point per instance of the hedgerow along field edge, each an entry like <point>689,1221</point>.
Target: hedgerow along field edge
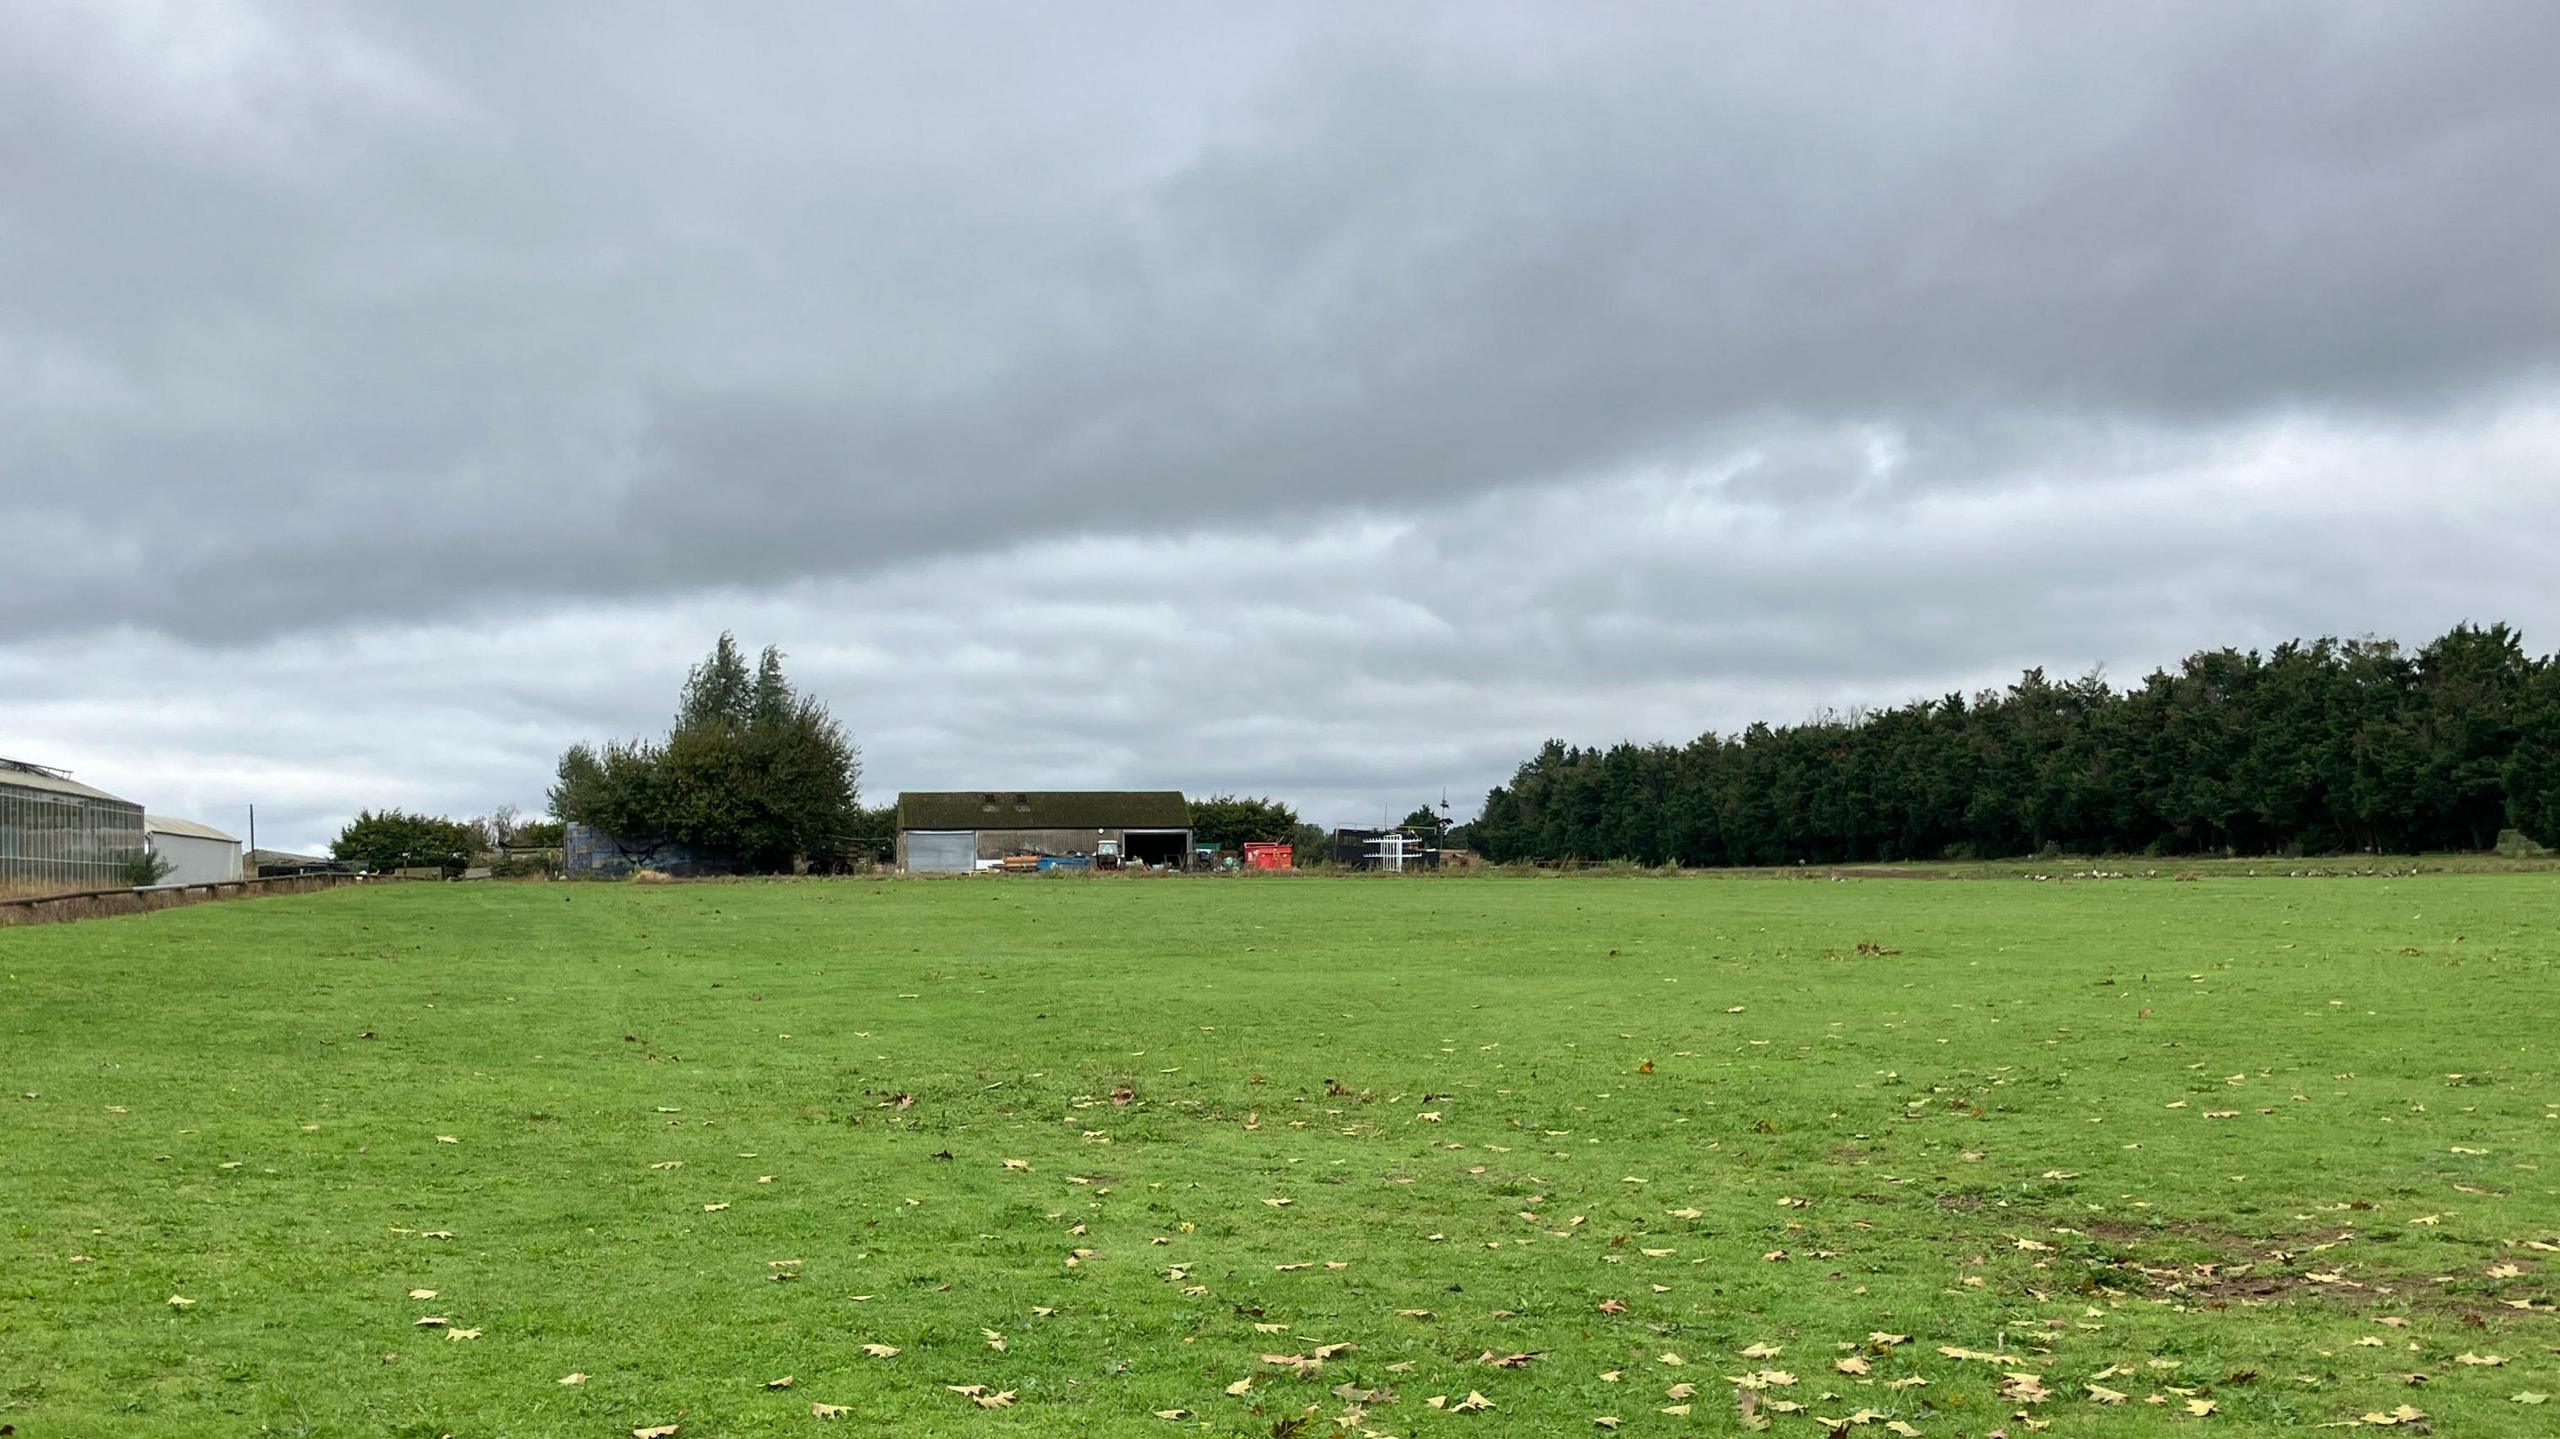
<point>1296,1155</point>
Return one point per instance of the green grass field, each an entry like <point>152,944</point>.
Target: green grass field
<point>1292,1156</point>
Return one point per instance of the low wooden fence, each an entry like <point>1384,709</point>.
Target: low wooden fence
<point>101,903</point>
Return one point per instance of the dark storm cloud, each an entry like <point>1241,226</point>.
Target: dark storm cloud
<point>396,312</point>
<point>1366,662</point>
<point>1325,401</point>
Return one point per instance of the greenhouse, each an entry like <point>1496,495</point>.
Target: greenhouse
<point>58,835</point>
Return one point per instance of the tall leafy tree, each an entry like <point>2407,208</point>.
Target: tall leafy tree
<point>753,770</point>
<point>1230,821</point>
<point>2532,779</point>
<point>717,692</point>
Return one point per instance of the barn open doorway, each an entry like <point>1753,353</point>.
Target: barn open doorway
<point>1154,847</point>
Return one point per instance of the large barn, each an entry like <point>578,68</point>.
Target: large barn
<point>955,831</point>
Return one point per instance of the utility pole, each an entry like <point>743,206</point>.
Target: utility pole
<point>250,864</point>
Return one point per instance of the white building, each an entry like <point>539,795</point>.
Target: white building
<point>197,853</point>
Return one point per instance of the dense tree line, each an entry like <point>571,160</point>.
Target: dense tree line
<point>2324,746</point>
<point>753,770</point>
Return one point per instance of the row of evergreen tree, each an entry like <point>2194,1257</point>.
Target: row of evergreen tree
<point>2321,747</point>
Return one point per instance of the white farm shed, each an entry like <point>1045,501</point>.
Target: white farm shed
<point>197,853</point>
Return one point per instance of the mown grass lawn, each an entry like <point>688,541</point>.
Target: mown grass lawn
<point>1289,1156</point>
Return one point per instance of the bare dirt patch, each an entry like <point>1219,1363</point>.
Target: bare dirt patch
<point>2322,1266</point>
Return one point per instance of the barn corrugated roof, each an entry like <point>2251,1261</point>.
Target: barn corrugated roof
<point>21,775</point>
<point>164,824</point>
<point>1044,809</point>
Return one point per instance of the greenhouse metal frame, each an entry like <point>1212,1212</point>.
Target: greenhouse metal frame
<point>59,836</point>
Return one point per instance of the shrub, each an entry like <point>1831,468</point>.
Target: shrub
<point>147,869</point>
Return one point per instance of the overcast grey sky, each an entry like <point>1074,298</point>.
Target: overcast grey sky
<point>1328,401</point>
